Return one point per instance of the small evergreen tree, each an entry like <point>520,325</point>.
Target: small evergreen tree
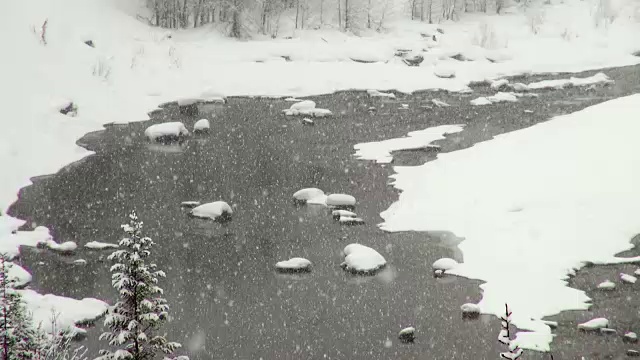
<point>504,337</point>
<point>20,340</point>
<point>135,319</point>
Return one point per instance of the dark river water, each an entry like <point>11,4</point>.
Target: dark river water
<point>227,301</point>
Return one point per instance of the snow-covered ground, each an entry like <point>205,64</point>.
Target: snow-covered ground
<point>532,206</point>
<point>132,68</point>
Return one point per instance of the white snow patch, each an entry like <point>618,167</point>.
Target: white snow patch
<point>376,93</point>
<point>296,263</point>
<point>212,210</point>
<point>97,245</point>
<point>292,99</point>
<point>499,97</point>
<point>201,125</point>
<point>444,72</point>
<point>65,247</point>
<point>594,324</point>
<point>637,272</point>
<point>306,108</point>
<point>340,200</point>
<point>69,311</point>
<point>360,258</point>
<point>554,174</point>
<point>439,103</point>
<point>480,101</point>
<point>445,264</point>
<point>380,151</point>
<point>312,196</point>
<point>599,78</point>
<point>629,279</point>
<point>607,285</point>
<point>80,262</point>
<point>10,242</point>
<point>157,131</point>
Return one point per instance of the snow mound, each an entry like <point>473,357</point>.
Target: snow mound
<point>599,78</point>
<point>337,200</point>
<point>306,108</point>
<point>213,211</point>
<point>607,285</point>
<point>380,151</point>
<point>201,125</point>
<point>97,245</point>
<point>445,264</point>
<point>337,214</point>
<point>594,324</point>
<point>497,98</point>
<point>362,259</point>
<point>17,275</point>
<point>70,312</point>
<point>376,93</point>
<point>348,220</point>
<point>444,72</point>
<point>80,262</point>
<point>520,87</point>
<point>10,242</point>
<point>499,84</point>
<point>629,279</point>
<point>65,247</point>
<point>166,130</point>
<point>294,264</point>
<point>313,196</point>
<point>470,309</point>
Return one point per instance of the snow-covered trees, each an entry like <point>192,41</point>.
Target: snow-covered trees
<point>134,321</point>
<point>504,337</point>
<point>19,338</point>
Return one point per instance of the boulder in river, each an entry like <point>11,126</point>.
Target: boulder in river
<point>341,201</point>
<point>470,311</point>
<point>594,324</point>
<point>407,335</point>
<point>166,132</point>
<point>188,106</point>
<point>362,259</point>
<point>201,126</point>
<point>313,196</point>
<point>217,211</point>
<point>296,264</point>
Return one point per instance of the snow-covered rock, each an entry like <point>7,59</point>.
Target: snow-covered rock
<point>499,84</point>
<point>312,196</point>
<point>607,285</point>
<point>594,324</point>
<point>65,247</point>
<point>444,264</point>
<point>520,87</point>
<point>97,245</point>
<point>80,262</point>
<point>337,214</point>
<point>470,310</point>
<point>376,93</point>
<point>629,279</point>
<point>348,220</point>
<point>407,334</point>
<point>439,103</point>
<point>189,204</point>
<point>201,126</point>
<point>307,121</point>
<point>637,272</point>
<point>480,101</point>
<point>294,264</point>
<point>306,108</point>
<point>633,353</point>
<point>337,200</point>
<point>360,258</point>
<point>168,130</point>
<point>444,72</point>
<point>630,337</point>
<point>217,210</point>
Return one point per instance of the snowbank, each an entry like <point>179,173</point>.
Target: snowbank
<point>213,210</point>
<point>380,151</point>
<point>166,130</point>
<point>549,187</point>
<point>599,78</point>
<point>360,258</point>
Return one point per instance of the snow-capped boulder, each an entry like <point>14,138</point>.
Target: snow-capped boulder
<point>470,310</point>
<point>630,337</point>
<point>444,72</point>
<point>497,98</point>
<point>362,259</point>
<point>594,324</point>
<point>629,279</point>
<point>337,214</point>
<point>166,131</point>
<point>341,200</point>
<point>348,220</point>
<point>607,285</point>
<point>66,247</point>
<point>308,122</point>
<point>480,101</point>
<point>407,335</point>
<point>189,204</point>
<point>217,210</point>
<point>188,106</point>
<point>312,196</point>
<point>80,262</point>
<point>296,264</point>
<point>97,245</point>
<point>499,84</point>
<point>201,126</point>
<point>520,87</point>
<point>306,108</point>
<point>444,264</point>
<point>376,93</point>
<point>633,353</point>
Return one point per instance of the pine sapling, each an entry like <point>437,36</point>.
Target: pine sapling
<point>504,337</point>
<point>134,321</point>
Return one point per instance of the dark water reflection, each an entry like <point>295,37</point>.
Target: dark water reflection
<point>227,300</point>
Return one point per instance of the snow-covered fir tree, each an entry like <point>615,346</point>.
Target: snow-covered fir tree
<point>134,321</point>
<point>504,337</point>
<point>19,340</point>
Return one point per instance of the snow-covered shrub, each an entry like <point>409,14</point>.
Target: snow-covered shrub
<point>504,337</point>
<point>58,347</point>
<point>135,319</point>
